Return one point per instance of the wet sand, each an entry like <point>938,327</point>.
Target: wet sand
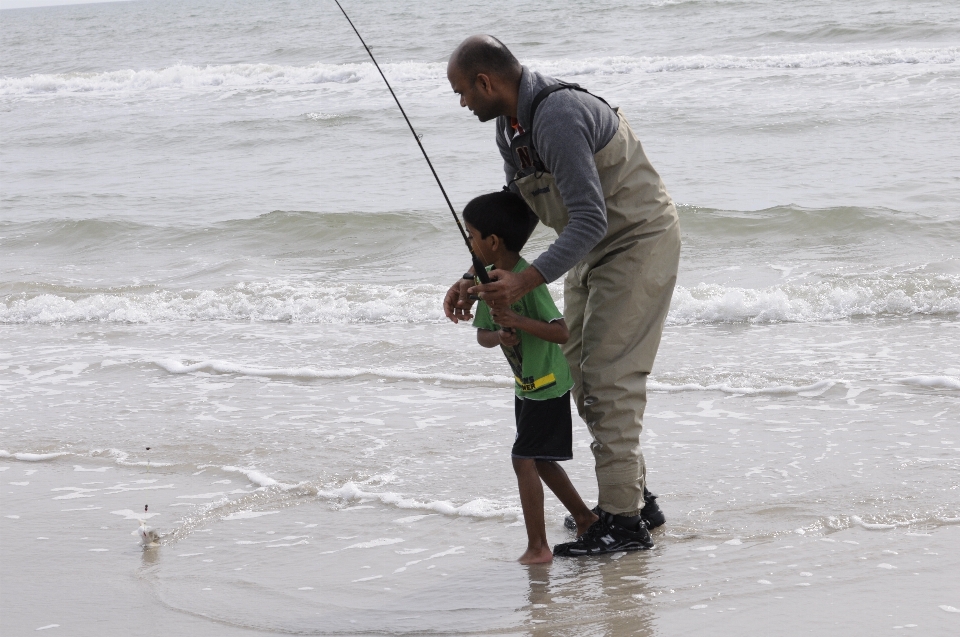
<point>376,506</point>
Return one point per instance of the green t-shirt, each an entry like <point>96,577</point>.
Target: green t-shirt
<point>539,368</point>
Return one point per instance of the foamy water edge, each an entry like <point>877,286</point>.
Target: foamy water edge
<point>230,76</point>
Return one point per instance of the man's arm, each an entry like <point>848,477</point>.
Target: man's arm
<point>568,133</point>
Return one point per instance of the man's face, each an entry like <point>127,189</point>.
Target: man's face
<point>475,93</point>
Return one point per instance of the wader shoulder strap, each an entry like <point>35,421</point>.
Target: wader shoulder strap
<point>524,154</point>
<point>553,88</point>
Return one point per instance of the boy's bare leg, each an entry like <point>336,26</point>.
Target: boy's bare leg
<point>531,499</point>
<point>558,482</point>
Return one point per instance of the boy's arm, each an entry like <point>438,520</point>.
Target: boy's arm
<point>491,338</point>
<point>553,332</point>
<point>488,338</point>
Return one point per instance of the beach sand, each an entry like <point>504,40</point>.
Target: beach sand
<point>794,510</point>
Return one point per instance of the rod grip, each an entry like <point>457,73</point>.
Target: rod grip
<point>480,271</point>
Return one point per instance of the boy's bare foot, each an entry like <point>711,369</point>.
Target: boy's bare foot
<point>540,555</point>
<point>584,522</point>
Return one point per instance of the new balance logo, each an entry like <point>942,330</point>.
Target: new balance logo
<point>524,154</point>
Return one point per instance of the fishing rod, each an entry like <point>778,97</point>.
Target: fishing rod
<point>478,267</point>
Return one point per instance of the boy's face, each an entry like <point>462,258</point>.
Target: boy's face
<point>486,249</point>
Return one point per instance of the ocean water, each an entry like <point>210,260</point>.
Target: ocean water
<point>221,265</point>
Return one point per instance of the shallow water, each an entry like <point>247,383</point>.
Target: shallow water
<point>219,242</point>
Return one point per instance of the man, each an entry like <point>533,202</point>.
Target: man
<point>580,168</point>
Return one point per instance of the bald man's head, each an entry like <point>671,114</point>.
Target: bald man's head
<point>485,54</point>
<point>486,76</point>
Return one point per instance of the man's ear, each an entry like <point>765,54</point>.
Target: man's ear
<point>483,83</point>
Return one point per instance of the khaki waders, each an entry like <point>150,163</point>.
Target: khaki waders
<point>616,301</point>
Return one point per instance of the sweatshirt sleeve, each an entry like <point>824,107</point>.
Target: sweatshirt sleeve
<point>565,137</point>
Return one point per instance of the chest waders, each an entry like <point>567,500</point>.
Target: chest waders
<point>616,299</point>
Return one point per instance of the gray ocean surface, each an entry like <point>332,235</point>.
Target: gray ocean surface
<point>222,259</point>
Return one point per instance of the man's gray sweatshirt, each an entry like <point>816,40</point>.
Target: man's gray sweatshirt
<point>572,126</point>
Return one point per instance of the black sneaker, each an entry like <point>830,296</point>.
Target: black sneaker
<point>651,514</point>
<point>605,536</point>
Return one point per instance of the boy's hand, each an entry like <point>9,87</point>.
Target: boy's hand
<point>457,303</point>
<point>505,317</point>
<point>509,339</point>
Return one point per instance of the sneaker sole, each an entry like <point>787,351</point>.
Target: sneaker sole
<point>573,552</point>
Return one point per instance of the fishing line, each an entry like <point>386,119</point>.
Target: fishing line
<point>478,267</point>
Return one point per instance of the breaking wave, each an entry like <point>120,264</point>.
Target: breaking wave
<point>295,302</point>
<point>841,298</point>
<point>936,382</point>
<point>479,508</point>
<point>307,301</point>
<point>231,76</point>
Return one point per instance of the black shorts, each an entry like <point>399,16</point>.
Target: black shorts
<point>544,429</point>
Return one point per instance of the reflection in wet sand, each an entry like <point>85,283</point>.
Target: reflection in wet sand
<point>591,596</point>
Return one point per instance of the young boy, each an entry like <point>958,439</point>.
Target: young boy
<point>529,333</point>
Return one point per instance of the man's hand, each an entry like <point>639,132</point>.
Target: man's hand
<point>506,287</point>
<point>508,339</point>
<point>457,302</point>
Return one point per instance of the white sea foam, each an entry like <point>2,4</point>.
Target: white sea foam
<point>225,367</point>
<point>120,457</point>
<point>184,77</point>
<point>479,508</point>
<point>732,389</point>
<point>257,477</point>
<point>316,302</point>
<point>813,60</point>
<point>129,514</point>
<point>296,302</point>
<point>384,541</point>
<point>938,382</point>
<point>873,526</point>
<point>248,515</point>
<point>308,373</point>
<point>33,457</point>
<point>320,116</point>
<point>812,302</point>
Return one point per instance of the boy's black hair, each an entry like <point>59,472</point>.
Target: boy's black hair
<point>504,214</point>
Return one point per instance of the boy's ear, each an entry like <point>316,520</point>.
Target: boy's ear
<point>494,242</point>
